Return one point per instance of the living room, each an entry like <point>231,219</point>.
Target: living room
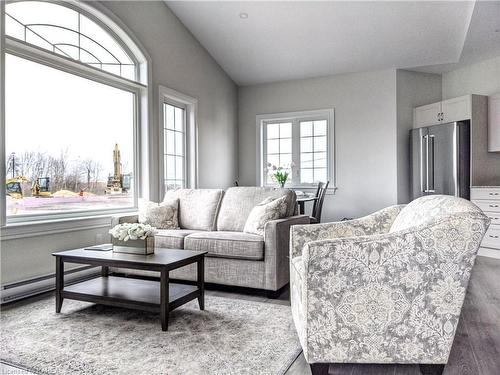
<point>203,112</point>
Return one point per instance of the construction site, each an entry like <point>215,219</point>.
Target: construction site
<point>82,191</point>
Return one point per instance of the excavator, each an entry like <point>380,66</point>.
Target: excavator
<point>41,188</point>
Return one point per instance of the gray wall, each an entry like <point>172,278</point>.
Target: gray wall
<point>413,89</point>
<point>482,78</point>
<point>365,130</point>
<point>181,63</point>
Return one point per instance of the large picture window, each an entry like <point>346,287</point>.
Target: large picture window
<point>178,140</point>
<point>300,142</point>
<point>71,114</point>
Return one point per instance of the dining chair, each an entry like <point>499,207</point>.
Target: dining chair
<point>318,203</point>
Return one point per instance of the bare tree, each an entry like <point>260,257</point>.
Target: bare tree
<point>91,169</point>
<point>57,167</point>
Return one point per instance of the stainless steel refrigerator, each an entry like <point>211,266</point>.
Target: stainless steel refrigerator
<point>441,160</point>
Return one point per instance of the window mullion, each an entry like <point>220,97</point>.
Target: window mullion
<point>296,152</point>
<point>264,154</point>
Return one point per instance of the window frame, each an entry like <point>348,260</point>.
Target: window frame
<point>295,118</point>
<point>190,105</point>
<point>184,156</point>
<point>87,11</point>
<point>140,88</point>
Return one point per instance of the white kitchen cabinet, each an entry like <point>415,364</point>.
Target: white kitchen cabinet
<point>487,198</point>
<point>450,110</point>
<point>494,123</point>
<point>456,109</point>
<point>427,115</point>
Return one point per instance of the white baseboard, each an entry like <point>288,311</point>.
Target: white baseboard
<point>26,288</point>
<point>490,253</point>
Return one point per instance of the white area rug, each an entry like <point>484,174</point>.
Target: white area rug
<point>231,336</point>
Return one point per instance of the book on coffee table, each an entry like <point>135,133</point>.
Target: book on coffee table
<point>103,247</point>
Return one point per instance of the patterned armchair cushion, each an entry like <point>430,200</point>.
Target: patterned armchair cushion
<point>198,208</point>
<point>387,298</point>
<point>239,201</point>
<point>429,208</point>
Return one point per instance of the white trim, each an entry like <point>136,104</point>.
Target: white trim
<point>141,89</point>
<point>168,95</point>
<point>25,288</point>
<point>262,119</point>
<point>38,228</point>
<point>3,218</point>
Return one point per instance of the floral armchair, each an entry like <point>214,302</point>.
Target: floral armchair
<point>385,288</point>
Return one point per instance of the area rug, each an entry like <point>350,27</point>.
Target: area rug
<point>232,336</point>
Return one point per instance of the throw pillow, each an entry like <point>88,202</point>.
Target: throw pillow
<point>162,215</point>
<point>267,210</point>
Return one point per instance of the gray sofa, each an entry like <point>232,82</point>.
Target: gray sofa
<point>212,220</point>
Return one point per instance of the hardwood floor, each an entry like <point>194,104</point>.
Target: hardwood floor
<point>476,349</point>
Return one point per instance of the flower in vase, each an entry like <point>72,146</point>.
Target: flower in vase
<point>132,231</point>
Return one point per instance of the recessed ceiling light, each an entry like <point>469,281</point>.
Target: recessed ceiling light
<point>243,15</point>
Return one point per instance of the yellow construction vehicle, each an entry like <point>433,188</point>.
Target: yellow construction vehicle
<point>41,188</point>
<point>14,188</point>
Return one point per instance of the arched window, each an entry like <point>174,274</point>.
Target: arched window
<point>69,33</point>
<point>75,93</point>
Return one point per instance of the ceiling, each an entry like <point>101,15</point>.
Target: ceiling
<point>292,40</point>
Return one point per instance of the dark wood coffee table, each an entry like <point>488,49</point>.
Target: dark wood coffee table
<point>150,295</point>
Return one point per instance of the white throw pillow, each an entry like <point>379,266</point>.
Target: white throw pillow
<point>162,215</point>
<point>267,210</point>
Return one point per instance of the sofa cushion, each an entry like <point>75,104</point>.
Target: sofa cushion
<point>269,209</point>
<point>162,215</point>
<point>237,245</point>
<point>198,208</point>
<point>172,238</point>
<point>239,201</point>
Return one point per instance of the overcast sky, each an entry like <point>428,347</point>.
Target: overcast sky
<point>49,110</point>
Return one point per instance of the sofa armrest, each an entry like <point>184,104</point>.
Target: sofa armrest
<point>378,222</point>
<point>120,219</point>
<point>277,239</point>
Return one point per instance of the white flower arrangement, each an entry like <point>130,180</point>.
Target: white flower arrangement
<point>132,231</point>
<point>280,173</point>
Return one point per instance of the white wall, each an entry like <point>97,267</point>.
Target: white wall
<point>482,78</point>
<point>413,89</point>
<point>365,131</point>
<point>181,63</point>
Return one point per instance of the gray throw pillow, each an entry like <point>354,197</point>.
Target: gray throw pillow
<point>267,210</point>
<point>162,215</point>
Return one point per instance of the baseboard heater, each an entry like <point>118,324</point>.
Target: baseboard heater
<point>26,288</point>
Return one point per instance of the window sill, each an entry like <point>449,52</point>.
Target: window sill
<point>52,226</point>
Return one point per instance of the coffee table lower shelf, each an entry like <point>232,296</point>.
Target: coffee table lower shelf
<point>130,293</point>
